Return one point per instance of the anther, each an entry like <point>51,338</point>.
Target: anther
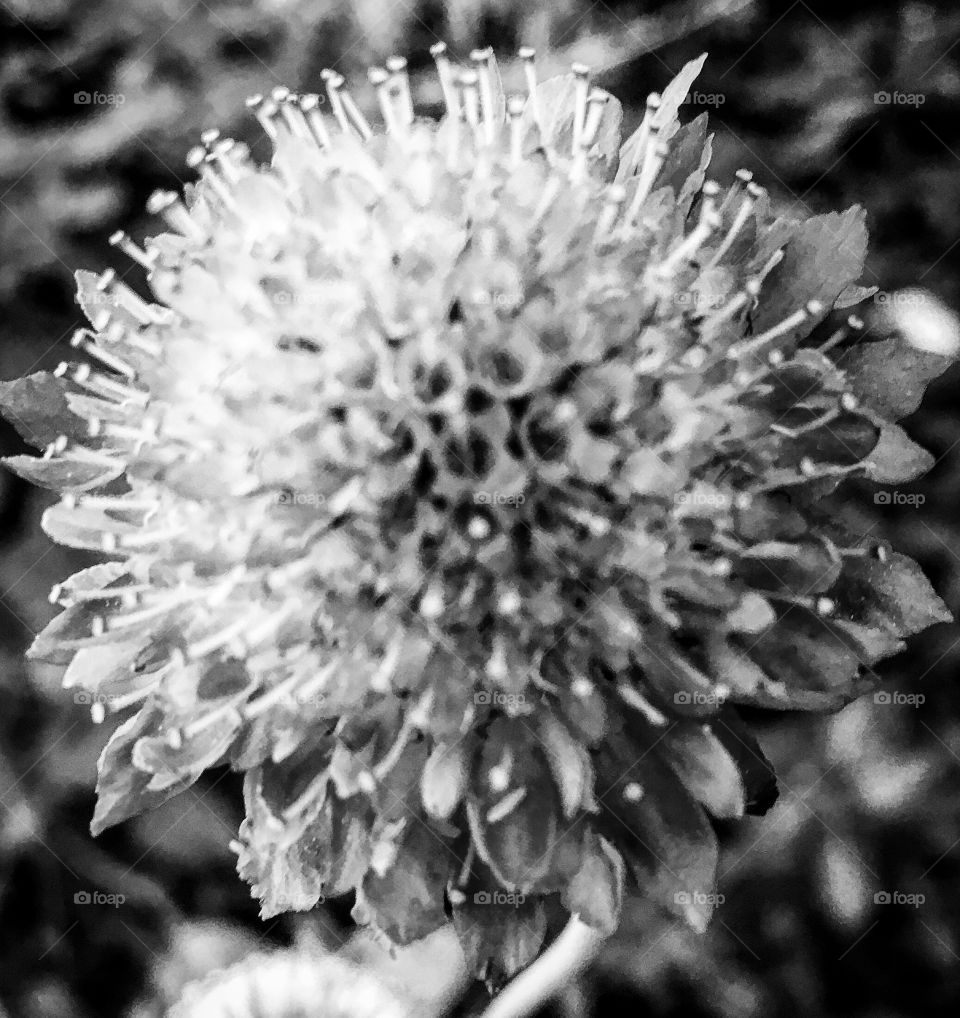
<point>265,112</point>
<point>133,251</point>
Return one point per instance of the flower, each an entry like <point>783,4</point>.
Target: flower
<point>463,481</point>
<point>288,984</point>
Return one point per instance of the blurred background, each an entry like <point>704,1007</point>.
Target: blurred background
<point>844,899</point>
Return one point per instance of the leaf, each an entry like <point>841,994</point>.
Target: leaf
<point>896,457</point>
<point>673,96</point>
<point>798,567</point>
<point>890,376</point>
<point>853,295</point>
<point>666,840</point>
<point>36,406</point>
<point>122,789</point>
<point>498,940</point>
<point>756,771</point>
<point>824,255</point>
<point>894,595</point>
<point>168,761</point>
<point>63,473</point>
<point>804,653</point>
<point>707,770</point>
<point>665,120</point>
<point>224,680</point>
<point>444,780</point>
<point>291,864</point>
<point>595,893</point>
<point>569,763</point>
<point>519,845</point>
<point>281,871</point>
<point>685,156</point>
<point>406,902</point>
<point>556,100</point>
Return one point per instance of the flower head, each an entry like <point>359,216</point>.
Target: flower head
<point>462,481</point>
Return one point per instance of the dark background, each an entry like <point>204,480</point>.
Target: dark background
<point>870,798</point>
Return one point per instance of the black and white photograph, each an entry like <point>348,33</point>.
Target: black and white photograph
<point>479,509</point>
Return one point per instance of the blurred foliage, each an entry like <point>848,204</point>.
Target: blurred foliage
<point>869,798</point>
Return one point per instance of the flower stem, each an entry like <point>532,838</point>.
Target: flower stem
<point>565,959</point>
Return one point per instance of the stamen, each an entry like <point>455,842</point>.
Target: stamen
<point>506,805</point>
<point>481,59</point>
<point>124,297</point>
<point>168,205</point>
<point>400,89</point>
<point>613,205</point>
<point>853,325</point>
<point>581,87</point>
<point>687,248</point>
<point>515,106</point>
<point>772,262</point>
<point>334,83</point>
<point>380,80</point>
<point>652,163</point>
<point>80,341</point>
<point>355,115</point>
<point>811,310</point>
<point>445,72</point>
<point>310,108</point>
<point>266,113</point>
<point>818,422</point>
<point>743,214</point>
<point>596,104</point>
<point>197,160</point>
<point>470,98</point>
<point>528,55</point>
<point>289,106</point>
<point>221,156</point>
<point>133,251</point>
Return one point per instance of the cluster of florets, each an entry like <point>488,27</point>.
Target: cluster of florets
<point>463,479</point>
